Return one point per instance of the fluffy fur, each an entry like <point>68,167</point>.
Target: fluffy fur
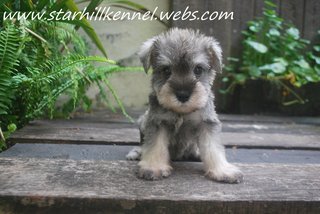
<point>181,122</point>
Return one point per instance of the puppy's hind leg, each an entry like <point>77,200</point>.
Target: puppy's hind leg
<point>134,154</point>
<point>213,156</point>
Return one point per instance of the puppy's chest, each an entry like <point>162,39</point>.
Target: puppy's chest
<point>189,121</point>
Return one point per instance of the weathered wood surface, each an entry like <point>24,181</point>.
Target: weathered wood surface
<point>88,135</point>
<point>101,116</point>
<point>69,178</point>
<point>114,152</point>
<point>240,131</point>
<point>312,20</point>
<point>131,137</point>
<point>270,119</point>
<point>68,186</point>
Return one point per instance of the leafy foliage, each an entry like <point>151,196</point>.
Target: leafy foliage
<point>40,61</point>
<point>9,52</point>
<point>273,50</point>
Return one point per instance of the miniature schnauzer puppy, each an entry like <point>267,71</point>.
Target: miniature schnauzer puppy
<point>181,122</point>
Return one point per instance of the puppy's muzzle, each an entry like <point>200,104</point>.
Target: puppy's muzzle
<point>183,95</point>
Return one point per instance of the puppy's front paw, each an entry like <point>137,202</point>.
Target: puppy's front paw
<point>227,174</point>
<point>154,173</point>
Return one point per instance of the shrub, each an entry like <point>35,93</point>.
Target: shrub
<point>274,51</point>
<point>42,60</point>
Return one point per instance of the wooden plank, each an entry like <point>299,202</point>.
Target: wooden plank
<point>244,12</point>
<point>231,124</point>
<point>80,124</point>
<point>269,119</point>
<point>114,152</point>
<point>259,4</point>
<point>267,140</point>
<point>130,136</point>
<point>68,186</point>
<point>293,11</point>
<point>103,116</point>
<point>77,135</point>
<point>220,29</point>
<point>312,20</point>
<point>291,128</point>
<point>239,130</point>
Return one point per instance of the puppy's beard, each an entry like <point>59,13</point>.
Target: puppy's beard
<point>197,100</point>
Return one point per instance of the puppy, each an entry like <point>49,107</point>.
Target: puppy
<point>181,122</point>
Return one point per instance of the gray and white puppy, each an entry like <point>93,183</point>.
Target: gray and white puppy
<point>181,122</point>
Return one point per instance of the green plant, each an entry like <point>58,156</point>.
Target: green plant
<point>273,50</point>
<point>4,135</point>
<point>34,72</point>
<point>47,6</point>
<point>42,60</point>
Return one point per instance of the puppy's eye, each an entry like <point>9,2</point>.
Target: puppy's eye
<point>198,70</point>
<point>166,71</point>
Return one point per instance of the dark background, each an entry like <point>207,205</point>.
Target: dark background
<point>255,97</point>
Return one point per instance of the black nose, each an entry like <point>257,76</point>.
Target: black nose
<point>183,96</point>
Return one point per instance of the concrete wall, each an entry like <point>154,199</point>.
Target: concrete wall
<point>122,40</point>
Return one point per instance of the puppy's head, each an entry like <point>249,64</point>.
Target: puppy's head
<point>184,64</point>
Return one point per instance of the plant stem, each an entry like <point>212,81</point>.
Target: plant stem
<point>36,35</point>
<point>301,101</point>
<point>2,136</point>
<point>118,100</point>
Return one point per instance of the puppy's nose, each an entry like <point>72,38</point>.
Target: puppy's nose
<point>183,96</point>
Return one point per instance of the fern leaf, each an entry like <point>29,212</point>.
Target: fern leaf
<point>9,53</point>
<point>115,96</point>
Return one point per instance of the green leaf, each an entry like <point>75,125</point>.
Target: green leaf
<point>282,61</point>
<point>316,59</point>
<point>4,6</point>
<point>274,32</point>
<point>225,79</point>
<point>240,78</point>
<point>316,48</point>
<point>12,127</point>
<point>317,69</point>
<point>270,3</point>
<point>303,64</point>
<point>233,59</point>
<point>254,71</point>
<point>293,32</point>
<point>93,4</point>
<point>9,53</point>
<point>41,4</point>
<point>254,28</point>
<point>276,67</point>
<point>27,5</point>
<point>259,47</point>
<point>57,5</point>
<point>87,27</point>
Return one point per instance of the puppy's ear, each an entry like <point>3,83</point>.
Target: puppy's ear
<point>215,55</point>
<point>145,53</point>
